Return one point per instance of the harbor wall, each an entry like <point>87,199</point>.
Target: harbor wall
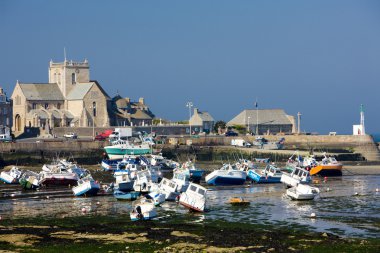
<point>90,152</point>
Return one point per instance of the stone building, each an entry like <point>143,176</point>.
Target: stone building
<point>268,121</point>
<point>70,98</point>
<point>5,112</point>
<point>131,113</point>
<point>203,119</point>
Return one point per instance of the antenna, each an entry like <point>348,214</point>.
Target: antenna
<point>64,53</point>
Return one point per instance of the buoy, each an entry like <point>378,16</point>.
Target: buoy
<point>312,215</point>
<point>47,197</point>
<point>328,189</point>
<point>325,179</point>
<point>377,189</point>
<point>12,195</point>
<point>98,203</point>
<point>356,193</point>
<point>84,209</point>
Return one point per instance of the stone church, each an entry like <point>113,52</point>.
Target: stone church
<point>69,99</point>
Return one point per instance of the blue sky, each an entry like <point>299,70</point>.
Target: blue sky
<point>321,58</point>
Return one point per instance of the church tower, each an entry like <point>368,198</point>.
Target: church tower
<point>68,74</point>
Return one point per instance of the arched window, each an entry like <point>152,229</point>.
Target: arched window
<point>73,78</point>
<point>94,109</point>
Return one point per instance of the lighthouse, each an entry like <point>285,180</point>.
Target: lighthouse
<point>360,129</point>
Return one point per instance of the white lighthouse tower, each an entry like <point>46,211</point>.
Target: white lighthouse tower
<point>360,129</point>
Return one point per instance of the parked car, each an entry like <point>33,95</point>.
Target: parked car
<point>231,133</point>
<point>70,135</point>
<point>100,137</point>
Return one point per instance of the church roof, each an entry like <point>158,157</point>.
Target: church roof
<point>41,91</point>
<point>267,117</point>
<point>79,91</point>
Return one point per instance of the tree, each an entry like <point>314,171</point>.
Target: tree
<point>219,124</point>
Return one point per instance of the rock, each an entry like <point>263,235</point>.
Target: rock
<point>264,237</point>
<point>271,249</point>
<point>325,235</point>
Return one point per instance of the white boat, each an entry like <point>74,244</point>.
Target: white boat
<point>86,186</point>
<point>12,176</point>
<point>143,209</point>
<point>298,176</point>
<point>227,175</point>
<point>143,182</point>
<point>169,188</point>
<point>123,181</point>
<point>302,192</point>
<point>157,197</point>
<point>194,198</point>
<point>182,179</point>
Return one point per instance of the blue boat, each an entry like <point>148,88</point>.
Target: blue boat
<point>270,174</point>
<point>227,175</point>
<point>189,169</point>
<point>119,195</point>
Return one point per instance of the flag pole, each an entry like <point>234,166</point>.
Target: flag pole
<point>257,118</point>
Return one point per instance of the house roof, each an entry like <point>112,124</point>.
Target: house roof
<point>267,117</point>
<point>139,114</point>
<point>41,91</point>
<point>205,116</point>
<point>79,91</point>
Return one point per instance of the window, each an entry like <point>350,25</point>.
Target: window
<point>94,109</point>
<point>193,188</point>
<point>58,106</point>
<point>34,106</point>
<point>73,78</point>
<point>46,105</point>
<point>201,191</point>
<point>5,110</point>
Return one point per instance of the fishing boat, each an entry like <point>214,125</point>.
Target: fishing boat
<point>12,176</point>
<point>29,180</point>
<point>121,148</point>
<point>182,179</point>
<point>169,188</point>
<point>227,175</point>
<point>120,195</point>
<point>87,186</point>
<point>189,168</point>
<point>302,192</point>
<point>143,182</point>
<point>123,180</point>
<point>57,175</point>
<point>298,176</point>
<point>329,166</point>
<point>157,197</point>
<point>238,201</point>
<point>143,209</point>
<point>270,174</point>
<point>194,198</point>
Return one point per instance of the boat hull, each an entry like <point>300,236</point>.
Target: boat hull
<point>5,177</point>
<point>326,170</point>
<point>126,196</point>
<point>115,152</point>
<point>87,189</point>
<point>220,180</point>
<point>253,175</point>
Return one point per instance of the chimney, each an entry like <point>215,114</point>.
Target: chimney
<point>141,101</point>
<point>196,111</point>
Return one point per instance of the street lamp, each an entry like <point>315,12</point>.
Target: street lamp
<point>93,108</point>
<point>189,104</point>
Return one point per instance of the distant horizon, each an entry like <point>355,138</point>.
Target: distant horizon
<point>320,58</point>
